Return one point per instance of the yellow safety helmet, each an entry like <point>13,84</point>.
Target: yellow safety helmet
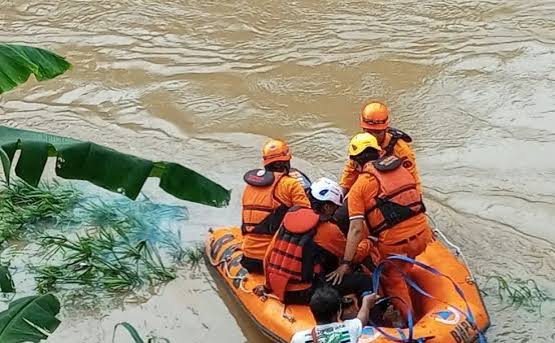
<point>362,141</point>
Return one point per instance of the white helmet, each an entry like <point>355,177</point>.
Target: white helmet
<point>325,189</point>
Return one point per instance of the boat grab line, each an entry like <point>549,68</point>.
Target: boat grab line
<point>456,248</point>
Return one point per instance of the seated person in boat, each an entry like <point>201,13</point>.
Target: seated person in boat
<point>308,245</point>
<point>269,193</point>
<point>326,307</point>
<point>386,206</point>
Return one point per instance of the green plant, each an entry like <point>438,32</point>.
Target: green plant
<point>116,244</point>
<point>18,62</point>
<point>518,292</point>
<point>139,221</point>
<point>118,261</point>
<point>22,205</point>
<point>110,251</point>
<point>135,335</point>
<point>194,256</point>
<point>6,282</point>
<point>102,166</point>
<point>29,319</point>
<point>102,258</point>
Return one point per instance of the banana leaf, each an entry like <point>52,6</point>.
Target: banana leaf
<point>135,335</point>
<point>132,331</point>
<point>6,281</point>
<point>29,319</point>
<point>102,166</point>
<point>18,62</point>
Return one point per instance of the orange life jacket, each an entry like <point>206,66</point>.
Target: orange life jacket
<point>292,260</point>
<point>262,211</point>
<point>397,199</point>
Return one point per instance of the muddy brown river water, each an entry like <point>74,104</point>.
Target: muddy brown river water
<point>204,83</point>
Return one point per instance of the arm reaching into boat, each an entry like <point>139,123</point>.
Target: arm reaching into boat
<point>362,189</point>
<point>368,302</point>
<point>353,239</point>
<point>325,305</point>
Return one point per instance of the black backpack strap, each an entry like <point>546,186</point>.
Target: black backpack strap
<point>396,134</point>
<point>301,177</point>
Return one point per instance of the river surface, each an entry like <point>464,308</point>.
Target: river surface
<point>205,83</point>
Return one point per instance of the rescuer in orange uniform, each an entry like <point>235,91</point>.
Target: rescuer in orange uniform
<point>269,193</point>
<point>385,197</point>
<point>307,246</point>
<point>374,119</point>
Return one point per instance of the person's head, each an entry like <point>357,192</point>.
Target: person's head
<point>325,196</point>
<point>364,148</point>
<point>374,119</point>
<point>325,305</point>
<point>276,156</point>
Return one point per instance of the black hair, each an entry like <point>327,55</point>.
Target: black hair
<point>325,303</point>
<point>279,167</point>
<point>368,154</point>
<point>317,205</point>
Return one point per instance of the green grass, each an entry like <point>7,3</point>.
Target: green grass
<point>106,258</point>
<point>117,245</point>
<point>136,336</point>
<point>194,256</point>
<point>139,222</point>
<point>120,251</point>
<point>22,206</point>
<point>518,293</point>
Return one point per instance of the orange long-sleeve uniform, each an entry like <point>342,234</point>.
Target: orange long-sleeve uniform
<point>290,192</point>
<point>329,237</point>
<point>402,150</point>
<point>259,201</point>
<point>409,237</point>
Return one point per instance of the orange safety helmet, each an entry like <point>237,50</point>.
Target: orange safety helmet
<point>374,116</point>
<point>275,150</point>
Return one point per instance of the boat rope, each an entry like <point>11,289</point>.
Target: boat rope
<point>226,268</point>
<point>242,285</point>
<point>211,260</point>
<point>214,264</point>
<point>468,314</point>
<point>270,295</point>
<point>286,315</point>
<point>265,296</point>
<point>456,248</point>
<point>228,272</point>
<point>240,278</point>
<point>402,338</point>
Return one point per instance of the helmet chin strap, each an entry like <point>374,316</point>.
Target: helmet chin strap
<point>364,158</point>
<point>359,162</point>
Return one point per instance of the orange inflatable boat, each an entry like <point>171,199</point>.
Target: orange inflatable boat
<point>442,321</point>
